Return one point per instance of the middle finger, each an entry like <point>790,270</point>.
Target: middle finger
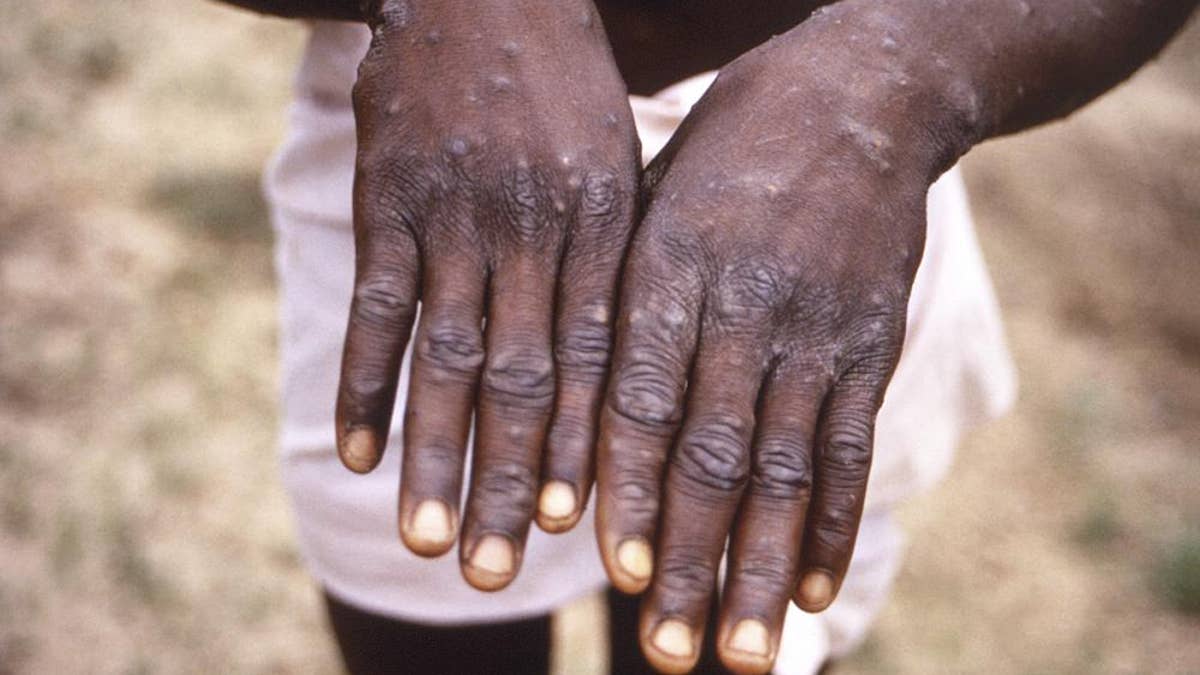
<point>515,397</point>
<point>708,470</point>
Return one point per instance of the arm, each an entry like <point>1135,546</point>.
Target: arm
<point>764,297</point>
<point>983,68</point>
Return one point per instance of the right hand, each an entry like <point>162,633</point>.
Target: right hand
<point>496,176</point>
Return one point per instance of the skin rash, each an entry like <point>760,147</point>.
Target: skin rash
<point>763,263</point>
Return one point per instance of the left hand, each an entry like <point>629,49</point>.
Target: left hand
<point>762,314</point>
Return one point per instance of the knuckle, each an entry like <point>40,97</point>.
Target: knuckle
<point>751,290</point>
<point>584,346</point>
<point>519,377</point>
<point>435,458</point>
<point>782,467</point>
<point>390,187</point>
<point>766,571</point>
<point>381,300</point>
<point>505,484</point>
<point>713,452</point>
<point>686,574</point>
<point>451,349</point>
<point>526,198</point>
<point>637,495</point>
<point>646,394</point>
<point>522,188</point>
<point>569,436</point>
<point>363,386</point>
<point>835,531</point>
<point>601,200</point>
<point>635,488</point>
<point>846,452</point>
<point>878,329</point>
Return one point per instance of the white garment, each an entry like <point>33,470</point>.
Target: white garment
<point>954,372</point>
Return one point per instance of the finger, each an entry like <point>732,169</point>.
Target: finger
<point>381,317</point>
<point>764,554</point>
<point>843,462</point>
<point>583,343</point>
<point>447,357</point>
<point>656,336</point>
<point>707,472</point>
<point>515,396</point>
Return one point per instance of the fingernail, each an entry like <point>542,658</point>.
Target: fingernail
<point>359,450</point>
<point>750,636</point>
<point>557,500</point>
<point>673,638</point>
<point>635,558</point>
<point>493,555</point>
<point>431,524</point>
<point>816,589</point>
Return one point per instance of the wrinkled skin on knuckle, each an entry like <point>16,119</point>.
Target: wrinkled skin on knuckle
<point>782,468</point>
<point>380,301</point>
<point>527,202</point>
<point>685,575</point>
<point>569,436</point>
<point>636,491</point>
<point>749,296</point>
<point>668,242</point>
<point>540,200</point>
<point>504,491</point>
<point>519,377</point>
<point>645,393</point>
<point>603,197</point>
<point>436,457</point>
<point>362,385</point>
<point>606,208</point>
<point>451,350</point>
<point>846,452</point>
<point>584,347</point>
<point>393,188</point>
<point>835,533</point>
<point>765,572</point>
<point>713,453</point>
<point>873,341</point>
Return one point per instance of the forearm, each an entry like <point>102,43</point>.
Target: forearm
<point>981,68</point>
<point>339,10</point>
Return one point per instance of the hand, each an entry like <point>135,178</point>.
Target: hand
<point>762,313</point>
<point>496,178</point>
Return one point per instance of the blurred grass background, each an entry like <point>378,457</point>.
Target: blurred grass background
<point>142,528</point>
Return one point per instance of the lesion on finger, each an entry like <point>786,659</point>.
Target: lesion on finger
<point>583,346</point>
<point>782,467</point>
<point>645,394</point>
<point>519,377</point>
<point>714,453</point>
<point>450,350</point>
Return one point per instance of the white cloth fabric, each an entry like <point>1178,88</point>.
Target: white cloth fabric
<point>954,372</point>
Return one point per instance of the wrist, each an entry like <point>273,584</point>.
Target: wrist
<point>873,63</point>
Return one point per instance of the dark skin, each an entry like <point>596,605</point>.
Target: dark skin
<point>762,293</point>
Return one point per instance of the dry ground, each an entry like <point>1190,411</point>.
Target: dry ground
<point>141,525</point>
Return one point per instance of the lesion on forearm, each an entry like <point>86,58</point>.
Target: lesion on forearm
<point>1008,65</point>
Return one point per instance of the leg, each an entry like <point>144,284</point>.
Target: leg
<point>378,645</point>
